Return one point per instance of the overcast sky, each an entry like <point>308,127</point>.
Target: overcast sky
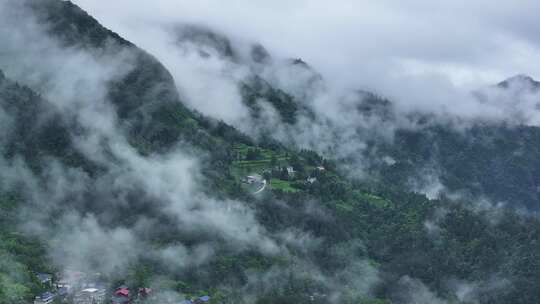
<point>359,43</point>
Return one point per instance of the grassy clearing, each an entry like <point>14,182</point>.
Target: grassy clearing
<point>282,185</point>
<point>241,167</point>
<point>374,200</point>
<point>241,170</point>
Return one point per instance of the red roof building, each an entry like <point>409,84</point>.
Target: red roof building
<point>122,292</point>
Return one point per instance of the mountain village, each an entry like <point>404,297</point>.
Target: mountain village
<point>74,287</point>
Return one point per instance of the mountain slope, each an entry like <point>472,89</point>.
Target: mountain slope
<point>496,162</point>
<point>478,158</point>
<point>147,192</point>
<point>21,255</point>
<point>145,98</point>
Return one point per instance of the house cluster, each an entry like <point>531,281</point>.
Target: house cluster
<point>90,295</point>
<point>199,300</point>
<point>286,173</point>
<point>45,298</point>
<point>80,288</point>
<point>123,295</point>
<point>253,179</point>
<point>46,280</point>
<point>312,179</point>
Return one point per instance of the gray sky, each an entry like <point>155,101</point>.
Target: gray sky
<point>367,44</point>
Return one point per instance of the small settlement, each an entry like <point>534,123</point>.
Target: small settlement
<point>256,168</point>
<point>74,287</point>
<point>71,287</point>
<point>259,168</point>
<point>199,300</point>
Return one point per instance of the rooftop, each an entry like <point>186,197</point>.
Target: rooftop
<point>47,295</point>
<point>43,277</point>
<point>91,290</point>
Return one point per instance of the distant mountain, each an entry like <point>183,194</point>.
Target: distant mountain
<point>258,88</point>
<point>205,39</point>
<point>468,158</point>
<point>146,98</point>
<point>521,80</point>
<point>475,158</point>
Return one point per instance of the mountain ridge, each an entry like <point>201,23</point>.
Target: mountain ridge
<point>519,78</point>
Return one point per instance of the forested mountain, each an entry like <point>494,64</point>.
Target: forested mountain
<point>108,172</point>
<point>476,158</point>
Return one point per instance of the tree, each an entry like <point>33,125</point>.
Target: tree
<point>273,161</point>
<point>253,154</point>
<point>296,163</point>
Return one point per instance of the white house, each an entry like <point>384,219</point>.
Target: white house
<point>90,296</point>
<point>45,298</point>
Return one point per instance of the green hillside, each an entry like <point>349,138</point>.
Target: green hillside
<point>312,235</point>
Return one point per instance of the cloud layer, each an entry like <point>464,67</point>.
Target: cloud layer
<point>108,220</point>
<point>362,43</point>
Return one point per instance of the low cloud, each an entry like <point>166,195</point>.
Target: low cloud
<point>414,53</point>
<point>76,81</point>
<point>107,220</point>
<point>439,79</point>
<point>410,290</point>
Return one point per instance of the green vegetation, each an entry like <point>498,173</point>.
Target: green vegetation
<point>20,257</point>
<point>495,161</point>
<point>258,90</point>
<point>398,233</point>
<point>282,185</point>
<point>252,159</point>
<point>372,199</point>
